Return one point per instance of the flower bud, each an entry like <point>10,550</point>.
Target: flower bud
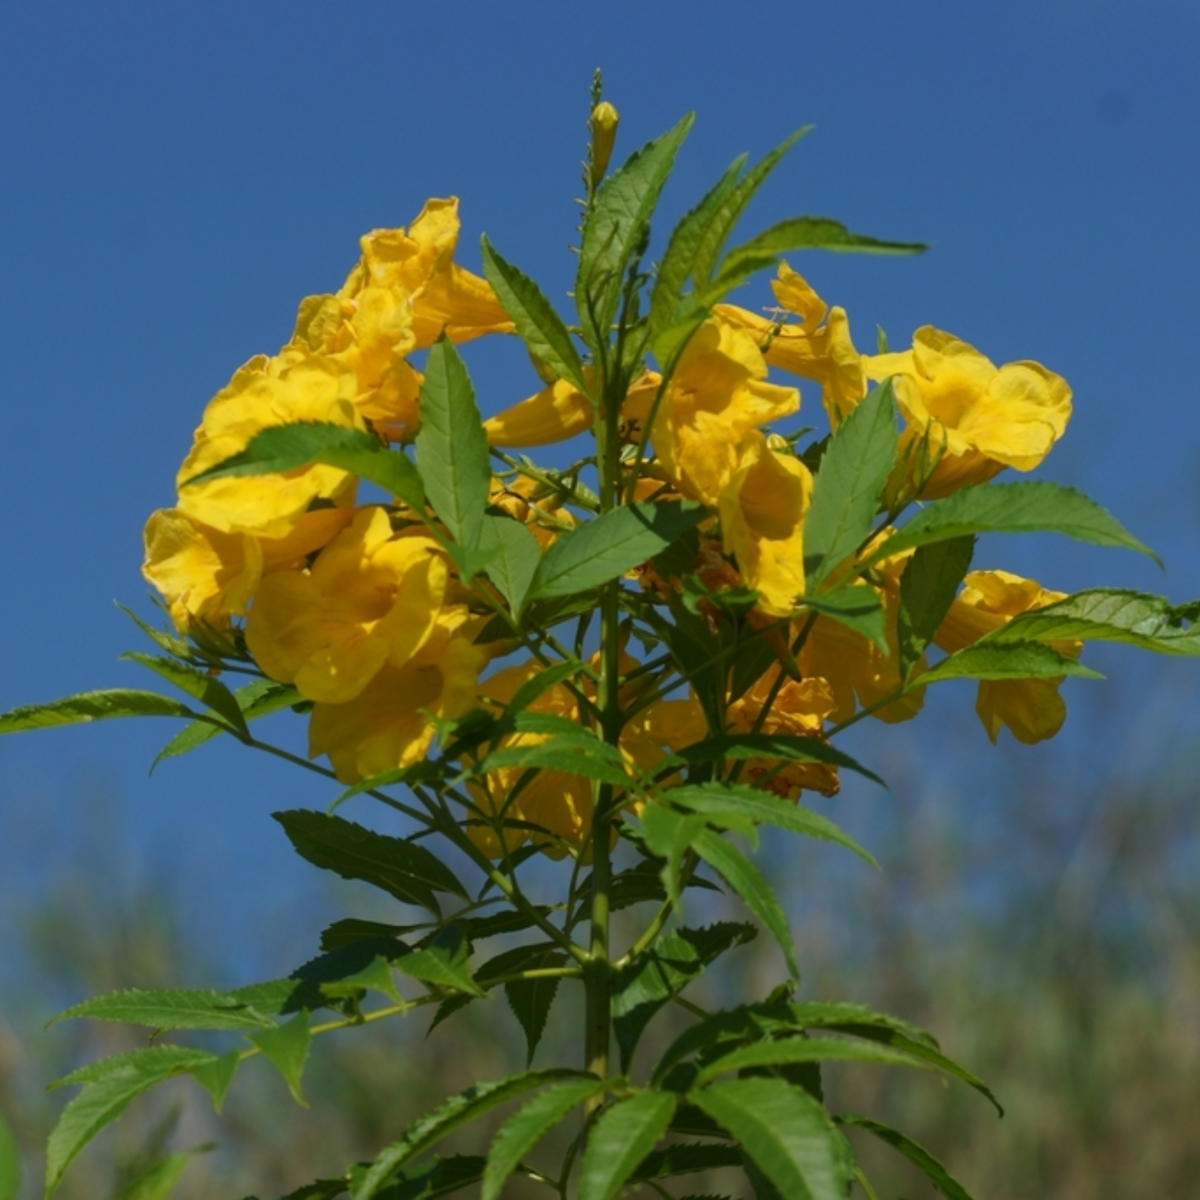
<point>604,133</point>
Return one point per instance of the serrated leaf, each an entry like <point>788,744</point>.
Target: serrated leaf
<point>619,1139</point>
<point>452,449</point>
<point>522,1131</point>
<point>539,326</point>
<point>442,962</point>
<point>110,1086</point>
<point>164,641</point>
<point>1025,507</point>
<point>287,1046</point>
<point>616,223</point>
<point>714,799</point>
<point>788,1051</point>
<point>857,607</point>
<point>160,1180</point>
<point>603,549</point>
<point>753,889</point>
<point>1005,660</point>
<point>1107,615</point>
<point>532,999</point>
<point>376,976</point>
<point>516,554</point>
<point>934,1171</point>
<point>94,706</point>
<point>169,1008</point>
<point>576,755</point>
<point>769,745</point>
<point>649,982</point>
<point>351,930</point>
<point>217,1076</point>
<point>10,1163</point>
<point>454,1113</point>
<point>669,835</point>
<point>810,233</point>
<point>927,590</point>
<point>785,1131</point>
<point>283,448</point>
<point>257,699</point>
<point>849,484</point>
<point>200,685</point>
<point>685,1158</point>
<point>401,868</point>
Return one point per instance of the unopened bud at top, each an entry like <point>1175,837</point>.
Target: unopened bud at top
<point>604,134</point>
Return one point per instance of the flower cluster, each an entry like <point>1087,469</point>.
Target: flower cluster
<point>362,608</point>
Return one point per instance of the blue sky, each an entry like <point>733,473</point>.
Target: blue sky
<point>174,178</point>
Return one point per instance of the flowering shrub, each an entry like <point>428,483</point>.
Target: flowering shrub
<point>614,663</point>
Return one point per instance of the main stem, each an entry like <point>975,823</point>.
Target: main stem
<point>598,974</point>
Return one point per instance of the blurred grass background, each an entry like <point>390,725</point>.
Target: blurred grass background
<point>1038,910</point>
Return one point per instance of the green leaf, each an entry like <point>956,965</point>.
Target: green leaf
<point>669,835</point>
<point>1025,507</point>
<point>401,868</point>
<point>685,1158</point>
<point>642,988</point>
<point>94,706</point>
<point>287,1047</point>
<point>169,1008</point>
<point>617,222</point>
<point>169,642</point>
<point>580,754</point>
<point>375,976</point>
<point>714,800</point>
<point>857,607</point>
<point>927,590</point>
<point>452,449</point>
<point>913,1151</point>
<point>442,963</point>
<point>603,549</point>
<point>810,233</point>
<point>539,684</point>
<point>257,699</point>
<point>423,1181</point>
<point>769,745</point>
<point>539,326</point>
<point>10,1163</point>
<point>516,557</point>
<point>522,1131</point>
<point>621,1137</point>
<point>217,1075</point>
<point>200,685</point>
<point>110,1086</point>
<point>532,999</point>
<point>849,484</point>
<point>788,1051</point>
<point>786,1133</point>
<point>682,248</point>
<point>726,213</point>
<point>1005,660</point>
<point>456,1112</point>
<point>753,889</point>
<point>160,1180</point>
<point>351,930</point>
<point>283,448</point>
<point>1107,615</point>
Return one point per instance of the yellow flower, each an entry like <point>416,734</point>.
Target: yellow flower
<point>523,499</point>
<point>819,348</point>
<point>799,710</point>
<point>208,576</point>
<point>264,393</point>
<point>991,417</point>
<point>1031,708</point>
<point>370,598</point>
<point>404,291</point>
<point>715,398</point>
<point>762,520</point>
<point>387,725</point>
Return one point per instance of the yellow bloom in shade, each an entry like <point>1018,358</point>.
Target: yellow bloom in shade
<point>1031,708</point>
<point>990,417</point>
<point>762,520</point>
<point>404,291</point>
<point>819,348</point>
<point>371,598</point>
<point>208,576</point>
<point>387,725</point>
<point>264,393</point>
<point>715,398</point>
<point>800,710</point>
